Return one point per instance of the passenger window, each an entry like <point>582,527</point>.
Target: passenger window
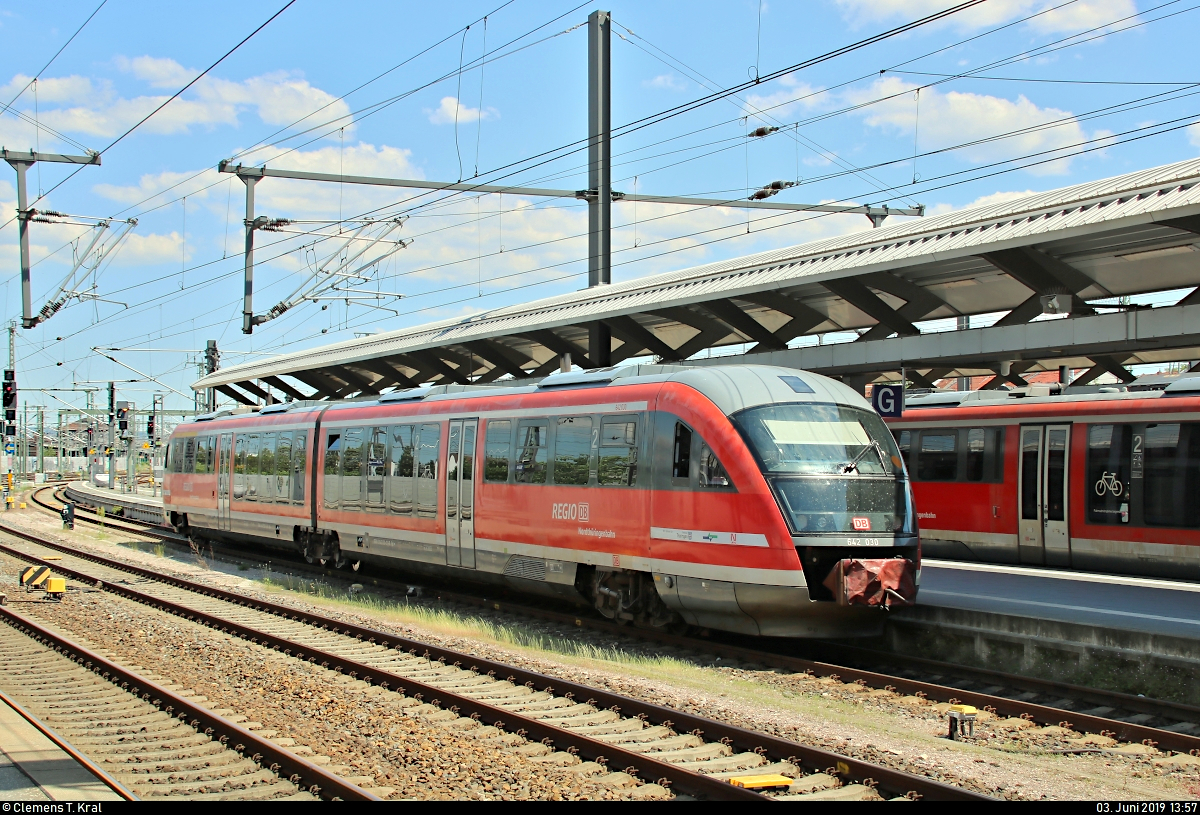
<point>376,464</point>
<point>400,471</point>
<point>283,468</point>
<point>976,442</point>
<point>497,451</point>
<point>618,452</point>
<point>531,459</point>
<point>333,462</point>
<point>938,459</point>
<point>239,467</point>
<point>266,464</point>
<point>1172,475</point>
<point>299,467</point>
<point>712,473</point>
<point>429,441</point>
<point>352,468</point>
<point>189,455</point>
<point>572,450</point>
<point>202,454</point>
<point>904,442</point>
<point>681,459</point>
<point>253,442</point>
<point>1031,440</point>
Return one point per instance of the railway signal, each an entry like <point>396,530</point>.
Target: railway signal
<point>10,396</point>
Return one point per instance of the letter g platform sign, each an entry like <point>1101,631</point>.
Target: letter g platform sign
<point>888,400</point>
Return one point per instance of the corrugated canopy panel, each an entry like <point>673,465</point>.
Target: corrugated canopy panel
<point>1130,234</point>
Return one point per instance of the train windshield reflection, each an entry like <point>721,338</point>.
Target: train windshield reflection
<point>818,439</point>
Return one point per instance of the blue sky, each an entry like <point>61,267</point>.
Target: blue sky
<point>179,269</point>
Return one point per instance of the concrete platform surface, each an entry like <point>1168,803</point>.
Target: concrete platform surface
<point>33,768</point>
<point>1164,607</point>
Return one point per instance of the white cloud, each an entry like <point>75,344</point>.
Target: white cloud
<point>1193,132</point>
<point>668,82</point>
<point>159,72</point>
<point>63,89</point>
<point>1078,16</point>
<point>147,250</point>
<point>278,98</point>
<point>152,183</point>
<point>785,100</point>
<point>984,200</point>
<point>444,113</point>
<point>951,118</point>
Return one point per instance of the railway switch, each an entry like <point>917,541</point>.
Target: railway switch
<point>962,721</point>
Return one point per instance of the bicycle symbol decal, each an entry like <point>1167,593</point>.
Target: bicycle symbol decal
<point>1109,483</point>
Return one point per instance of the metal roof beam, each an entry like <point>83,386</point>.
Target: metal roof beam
<point>1189,223</point>
<point>1014,375</point>
<point>432,360</point>
<point>868,302</point>
<point>390,375</point>
<point>234,394</point>
<point>918,302</point>
<point>355,379</point>
<point>325,387</point>
<point>559,345</point>
<point>1042,274</point>
<point>929,378</point>
<point>280,385</point>
<point>255,390</point>
<point>743,323</point>
<point>500,356</point>
<point>1105,365</point>
<point>631,331</point>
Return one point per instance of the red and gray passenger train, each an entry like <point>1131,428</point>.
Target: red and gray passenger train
<point>1106,482</point>
<point>738,498</point>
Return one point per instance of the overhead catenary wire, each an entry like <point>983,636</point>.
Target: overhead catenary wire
<point>172,98</point>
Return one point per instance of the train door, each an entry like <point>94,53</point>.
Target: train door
<point>224,470</point>
<point>460,493</point>
<point>1044,533</point>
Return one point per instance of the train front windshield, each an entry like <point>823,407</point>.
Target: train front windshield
<point>834,468</point>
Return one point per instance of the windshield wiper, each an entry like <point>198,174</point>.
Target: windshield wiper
<point>853,464</point>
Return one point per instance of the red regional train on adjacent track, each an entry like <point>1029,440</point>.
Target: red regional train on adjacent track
<point>752,499</point>
<point>1106,482</point>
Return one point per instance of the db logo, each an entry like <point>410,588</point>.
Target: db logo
<point>570,512</point>
<point>861,524</point>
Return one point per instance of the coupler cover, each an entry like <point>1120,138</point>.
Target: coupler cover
<point>882,582</point>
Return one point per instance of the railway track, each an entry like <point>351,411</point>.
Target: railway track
<point>137,735</point>
<point>1127,718</point>
<point>559,722</point>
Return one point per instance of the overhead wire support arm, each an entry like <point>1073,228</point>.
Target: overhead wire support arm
<point>21,162</point>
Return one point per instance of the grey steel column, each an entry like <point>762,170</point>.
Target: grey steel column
<point>41,416</point>
<point>112,436</point>
<point>23,228</point>
<point>599,174</point>
<point>248,300</point>
<point>964,382</point>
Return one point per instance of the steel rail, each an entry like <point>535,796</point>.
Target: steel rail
<point>1043,714</point>
<point>64,745</point>
<point>315,779</point>
<point>647,767</point>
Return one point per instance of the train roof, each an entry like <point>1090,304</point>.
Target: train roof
<point>1186,385</point>
<point>731,388</point>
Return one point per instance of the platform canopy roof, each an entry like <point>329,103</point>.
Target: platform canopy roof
<point>1128,235</point>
